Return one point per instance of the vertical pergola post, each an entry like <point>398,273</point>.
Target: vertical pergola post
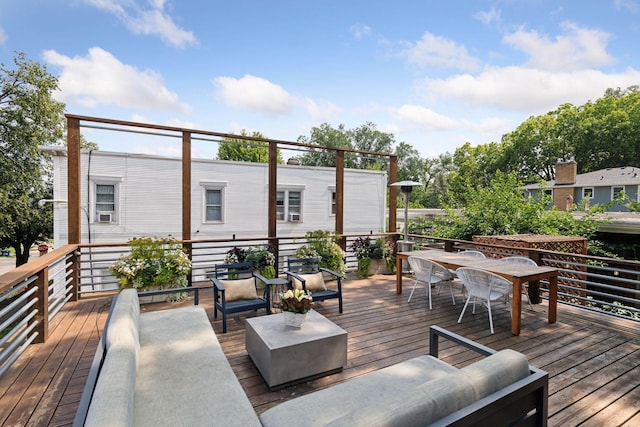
<point>186,195</point>
<point>273,188</point>
<point>186,185</point>
<point>393,193</point>
<point>340,198</point>
<point>73,180</point>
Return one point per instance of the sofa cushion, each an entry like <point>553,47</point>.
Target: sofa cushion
<point>440,397</point>
<point>123,327</point>
<point>240,289</point>
<point>497,371</point>
<point>112,404</point>
<point>323,406</point>
<point>184,377</point>
<point>312,281</point>
<point>418,406</point>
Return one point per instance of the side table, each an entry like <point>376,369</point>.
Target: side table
<point>276,286</point>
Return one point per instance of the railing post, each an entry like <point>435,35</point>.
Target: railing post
<point>448,246</point>
<point>74,272</point>
<point>42,284</point>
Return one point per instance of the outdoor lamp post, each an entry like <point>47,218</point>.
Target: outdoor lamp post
<point>405,187</point>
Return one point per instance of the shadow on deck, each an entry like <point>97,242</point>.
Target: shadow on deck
<point>593,360</point>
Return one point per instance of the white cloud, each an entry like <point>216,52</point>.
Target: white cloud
<point>437,51</point>
<point>525,89</point>
<point>325,112</point>
<point>577,49</point>
<point>147,21</point>
<point>425,118</point>
<point>100,78</point>
<point>3,36</point>
<point>256,94</point>
<point>360,31</point>
<point>488,17</point>
<point>260,95</point>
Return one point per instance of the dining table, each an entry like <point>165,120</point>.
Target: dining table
<point>518,274</point>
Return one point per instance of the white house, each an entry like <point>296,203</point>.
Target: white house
<point>126,195</point>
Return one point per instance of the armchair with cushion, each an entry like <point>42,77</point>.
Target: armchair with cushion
<point>235,288</point>
<point>306,273</point>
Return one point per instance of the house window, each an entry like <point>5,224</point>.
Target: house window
<point>587,193</point>
<point>615,190</point>
<point>104,198</point>
<point>213,201</point>
<point>333,203</point>
<point>213,206</point>
<point>289,204</point>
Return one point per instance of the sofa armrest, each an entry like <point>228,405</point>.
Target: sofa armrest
<point>436,331</point>
<point>194,289</point>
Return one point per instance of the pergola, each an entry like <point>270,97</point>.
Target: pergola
<point>75,122</point>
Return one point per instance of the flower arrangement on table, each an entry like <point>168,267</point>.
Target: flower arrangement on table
<point>152,263</point>
<point>296,301</point>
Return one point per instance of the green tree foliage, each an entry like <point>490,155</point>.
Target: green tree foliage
<point>364,138</point>
<point>327,136</point>
<point>29,118</point>
<point>500,208</point>
<point>243,150</point>
<point>598,135</point>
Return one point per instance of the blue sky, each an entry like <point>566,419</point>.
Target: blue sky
<point>436,74</point>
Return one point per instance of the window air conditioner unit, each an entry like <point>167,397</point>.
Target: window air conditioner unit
<point>105,217</point>
<point>294,217</point>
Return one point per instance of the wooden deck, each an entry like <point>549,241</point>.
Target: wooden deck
<point>593,361</point>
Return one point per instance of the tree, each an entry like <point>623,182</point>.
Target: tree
<point>29,118</point>
<point>327,136</point>
<point>244,150</point>
<point>501,208</point>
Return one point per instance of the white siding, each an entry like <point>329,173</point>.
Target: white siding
<point>149,198</point>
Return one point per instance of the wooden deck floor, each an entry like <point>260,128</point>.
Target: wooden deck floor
<point>593,361</point>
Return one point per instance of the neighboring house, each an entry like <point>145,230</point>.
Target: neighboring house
<point>127,195</point>
<point>598,187</point>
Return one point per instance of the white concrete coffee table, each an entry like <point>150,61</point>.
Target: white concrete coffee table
<point>285,355</point>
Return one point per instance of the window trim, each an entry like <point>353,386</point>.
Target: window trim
<point>96,180</point>
<point>286,189</point>
<point>213,186</point>
<point>584,195</point>
<point>613,190</point>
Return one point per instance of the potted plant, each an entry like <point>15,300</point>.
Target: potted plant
<point>262,258</point>
<point>295,304</point>
<point>321,244</point>
<point>374,257</point>
<point>153,263</point>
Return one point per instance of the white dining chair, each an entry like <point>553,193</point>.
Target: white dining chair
<point>430,274</point>
<point>484,286</point>
<point>518,259</point>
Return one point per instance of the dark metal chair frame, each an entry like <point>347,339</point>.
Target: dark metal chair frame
<point>242,270</point>
<point>298,266</point>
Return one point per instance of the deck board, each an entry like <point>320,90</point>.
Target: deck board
<point>593,360</point>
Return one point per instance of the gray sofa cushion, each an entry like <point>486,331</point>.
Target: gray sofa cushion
<point>115,390</point>
<point>184,377</point>
<point>435,399</point>
<point>325,406</point>
<point>123,323</point>
<point>497,371</point>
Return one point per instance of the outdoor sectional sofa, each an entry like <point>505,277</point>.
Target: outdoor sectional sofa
<point>167,368</point>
